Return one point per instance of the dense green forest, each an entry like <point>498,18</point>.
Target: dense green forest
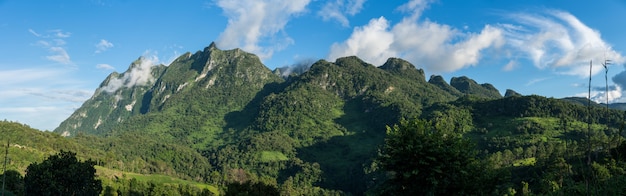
<point>220,122</point>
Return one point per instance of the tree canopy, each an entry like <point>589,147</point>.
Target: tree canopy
<point>422,160</point>
<point>62,174</point>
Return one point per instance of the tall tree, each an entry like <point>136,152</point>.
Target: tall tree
<point>14,182</point>
<point>62,174</point>
<point>424,161</point>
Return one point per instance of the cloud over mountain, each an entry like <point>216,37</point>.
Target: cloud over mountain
<point>257,26</point>
<point>139,74</point>
<point>437,47</point>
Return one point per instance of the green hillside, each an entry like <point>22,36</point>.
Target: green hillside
<point>220,117</point>
<point>27,145</point>
<point>128,182</point>
<point>216,111</point>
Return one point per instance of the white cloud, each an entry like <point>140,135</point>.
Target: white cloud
<point>11,77</point>
<point>536,80</point>
<point>26,109</point>
<point>54,42</point>
<point>42,117</point>
<point>139,74</point>
<point>558,40</point>
<point>39,117</point>
<point>257,26</point>
<point>60,34</point>
<point>103,45</point>
<point>371,42</point>
<point>340,10</point>
<point>614,95</point>
<point>105,67</point>
<point>55,33</point>
<point>59,55</point>
<point>550,39</point>
<point>510,66</point>
<point>34,33</point>
<point>68,95</point>
<point>437,47</point>
<point>599,96</point>
<point>40,97</point>
<point>59,42</point>
<point>415,7</point>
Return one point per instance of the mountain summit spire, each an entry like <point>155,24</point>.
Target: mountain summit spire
<point>212,46</point>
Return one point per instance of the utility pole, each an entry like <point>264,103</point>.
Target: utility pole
<point>606,80</point>
<point>587,178</point>
<point>589,118</point>
<point>4,171</point>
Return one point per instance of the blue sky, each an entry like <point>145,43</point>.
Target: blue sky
<point>56,53</point>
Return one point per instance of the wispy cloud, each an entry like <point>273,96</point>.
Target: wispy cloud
<point>103,45</point>
<point>41,97</point>
<point>59,55</point>
<point>536,80</point>
<point>340,10</point>
<point>105,67</point>
<point>299,67</point>
<point>510,66</point>
<point>54,33</point>
<point>34,33</point>
<point>437,47</point>
<point>38,81</point>
<point>558,40</point>
<point>53,41</point>
<point>257,26</point>
<point>70,95</point>
<point>18,76</point>
<point>550,39</point>
<point>43,117</point>
<point>60,33</point>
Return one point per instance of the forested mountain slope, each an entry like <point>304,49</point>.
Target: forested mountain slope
<point>219,109</point>
<point>27,145</point>
<point>221,116</point>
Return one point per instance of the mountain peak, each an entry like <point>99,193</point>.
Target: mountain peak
<point>397,64</point>
<point>403,67</point>
<point>469,86</point>
<point>511,93</point>
<point>210,48</point>
<point>141,72</point>
<point>351,61</point>
<point>438,81</point>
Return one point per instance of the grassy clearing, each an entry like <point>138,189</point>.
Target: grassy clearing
<point>525,162</point>
<point>154,178</point>
<point>272,156</point>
